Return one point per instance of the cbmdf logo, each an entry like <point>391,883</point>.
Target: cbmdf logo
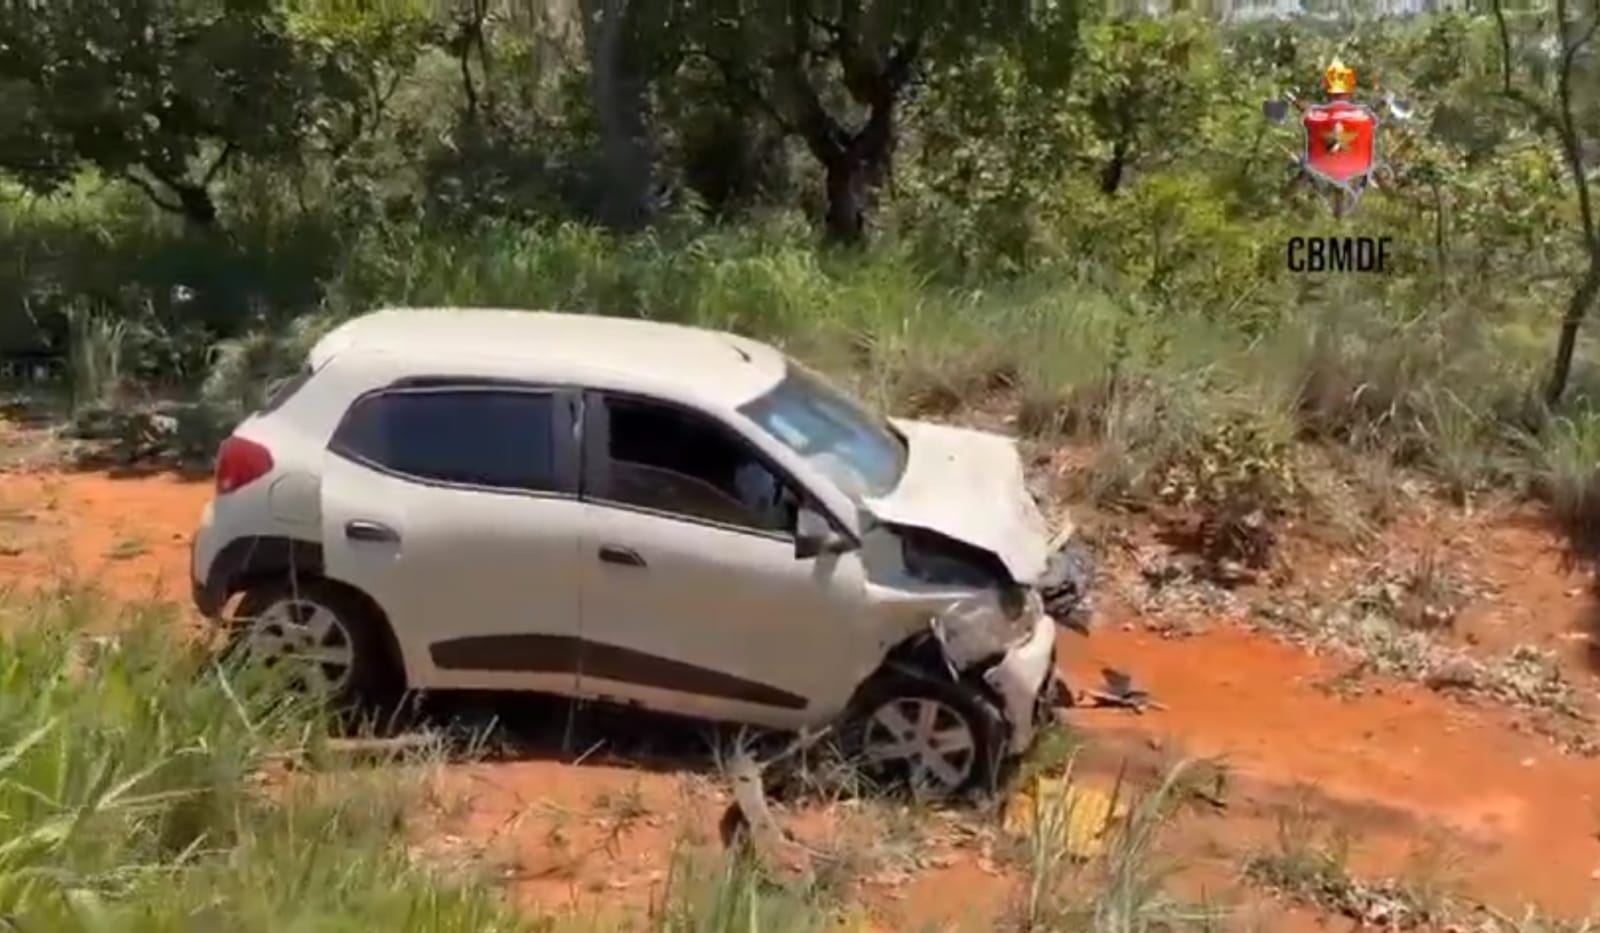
<point>1341,138</point>
<point>1341,148</point>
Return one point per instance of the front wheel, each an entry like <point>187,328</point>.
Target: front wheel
<point>937,738</point>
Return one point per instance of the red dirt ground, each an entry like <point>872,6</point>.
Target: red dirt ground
<point>1403,770</point>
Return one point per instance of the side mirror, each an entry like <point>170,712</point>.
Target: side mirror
<point>814,536</point>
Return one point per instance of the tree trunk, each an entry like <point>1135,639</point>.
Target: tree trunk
<point>198,207</point>
<point>1577,309</point>
<point>1111,175</point>
<point>619,94</point>
<point>849,189</point>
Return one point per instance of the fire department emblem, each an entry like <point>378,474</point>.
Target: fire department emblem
<point>1341,137</point>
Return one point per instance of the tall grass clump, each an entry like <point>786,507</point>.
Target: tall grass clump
<point>132,793</point>
<point>96,349</point>
<point>1122,889</point>
<point>1567,475</point>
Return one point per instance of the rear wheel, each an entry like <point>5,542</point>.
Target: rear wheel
<point>937,738</point>
<point>327,637</point>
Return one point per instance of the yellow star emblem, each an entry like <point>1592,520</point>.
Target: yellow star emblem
<point>1339,138</point>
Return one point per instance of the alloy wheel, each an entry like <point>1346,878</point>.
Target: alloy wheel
<point>931,740</point>
<point>309,636</point>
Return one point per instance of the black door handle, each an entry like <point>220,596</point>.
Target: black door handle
<point>361,530</point>
<point>627,557</point>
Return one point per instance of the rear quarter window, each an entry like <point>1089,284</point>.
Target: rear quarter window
<point>493,438</point>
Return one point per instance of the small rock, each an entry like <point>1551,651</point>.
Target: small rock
<point>1527,762</point>
<point>1454,674</point>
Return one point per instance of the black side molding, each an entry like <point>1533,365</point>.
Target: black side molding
<point>558,654</point>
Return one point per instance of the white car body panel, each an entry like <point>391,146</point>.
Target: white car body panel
<point>470,564</point>
<point>735,602</point>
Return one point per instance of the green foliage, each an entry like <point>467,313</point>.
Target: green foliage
<point>167,94</point>
<point>143,90</point>
<point>1140,314</point>
<point>1241,479</point>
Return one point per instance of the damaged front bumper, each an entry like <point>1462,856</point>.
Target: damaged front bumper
<point>1024,677</point>
<point>1021,678</point>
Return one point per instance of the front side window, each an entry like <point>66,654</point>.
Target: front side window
<point>669,460</point>
<point>494,438</point>
<point>861,453</point>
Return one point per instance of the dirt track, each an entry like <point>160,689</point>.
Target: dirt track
<point>1404,770</point>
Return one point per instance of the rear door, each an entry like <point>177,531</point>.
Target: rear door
<point>694,601</point>
<point>454,505</point>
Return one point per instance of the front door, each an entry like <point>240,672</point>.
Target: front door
<point>455,507</point>
<point>693,599</point>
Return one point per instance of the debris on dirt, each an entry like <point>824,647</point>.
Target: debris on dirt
<point>1120,692</point>
<point>1366,628</point>
<point>1178,595</point>
<point>349,751</point>
<point>748,822</point>
<point>1320,880</point>
<point>1428,596</point>
<point>168,433</point>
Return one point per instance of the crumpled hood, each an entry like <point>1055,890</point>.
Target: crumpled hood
<point>969,485</point>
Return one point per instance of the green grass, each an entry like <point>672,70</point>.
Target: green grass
<point>129,797</point>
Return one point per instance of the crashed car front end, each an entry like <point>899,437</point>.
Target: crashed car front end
<point>986,623</point>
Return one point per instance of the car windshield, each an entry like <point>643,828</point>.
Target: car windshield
<point>860,452</point>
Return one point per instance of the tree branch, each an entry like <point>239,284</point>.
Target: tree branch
<point>740,81</point>
<point>1541,114</point>
<point>833,30</point>
<point>902,63</point>
<point>150,192</point>
<point>228,152</point>
<point>1571,142</point>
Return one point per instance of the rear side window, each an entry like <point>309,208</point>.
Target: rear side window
<point>496,438</point>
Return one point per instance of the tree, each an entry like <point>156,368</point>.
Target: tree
<point>1546,95</point>
<point>834,73</point>
<point>163,94</point>
<point>619,86</point>
<point>1144,79</point>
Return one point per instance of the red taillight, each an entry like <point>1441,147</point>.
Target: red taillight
<point>239,463</point>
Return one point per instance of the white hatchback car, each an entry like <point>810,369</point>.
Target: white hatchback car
<point>640,513</point>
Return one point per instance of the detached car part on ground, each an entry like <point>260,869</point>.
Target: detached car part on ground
<point>639,513</point>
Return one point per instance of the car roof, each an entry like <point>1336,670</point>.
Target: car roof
<point>605,351</point>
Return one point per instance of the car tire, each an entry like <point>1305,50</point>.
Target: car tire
<point>284,619</point>
<point>938,739</point>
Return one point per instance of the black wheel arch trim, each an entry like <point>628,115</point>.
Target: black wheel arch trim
<point>252,560</point>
